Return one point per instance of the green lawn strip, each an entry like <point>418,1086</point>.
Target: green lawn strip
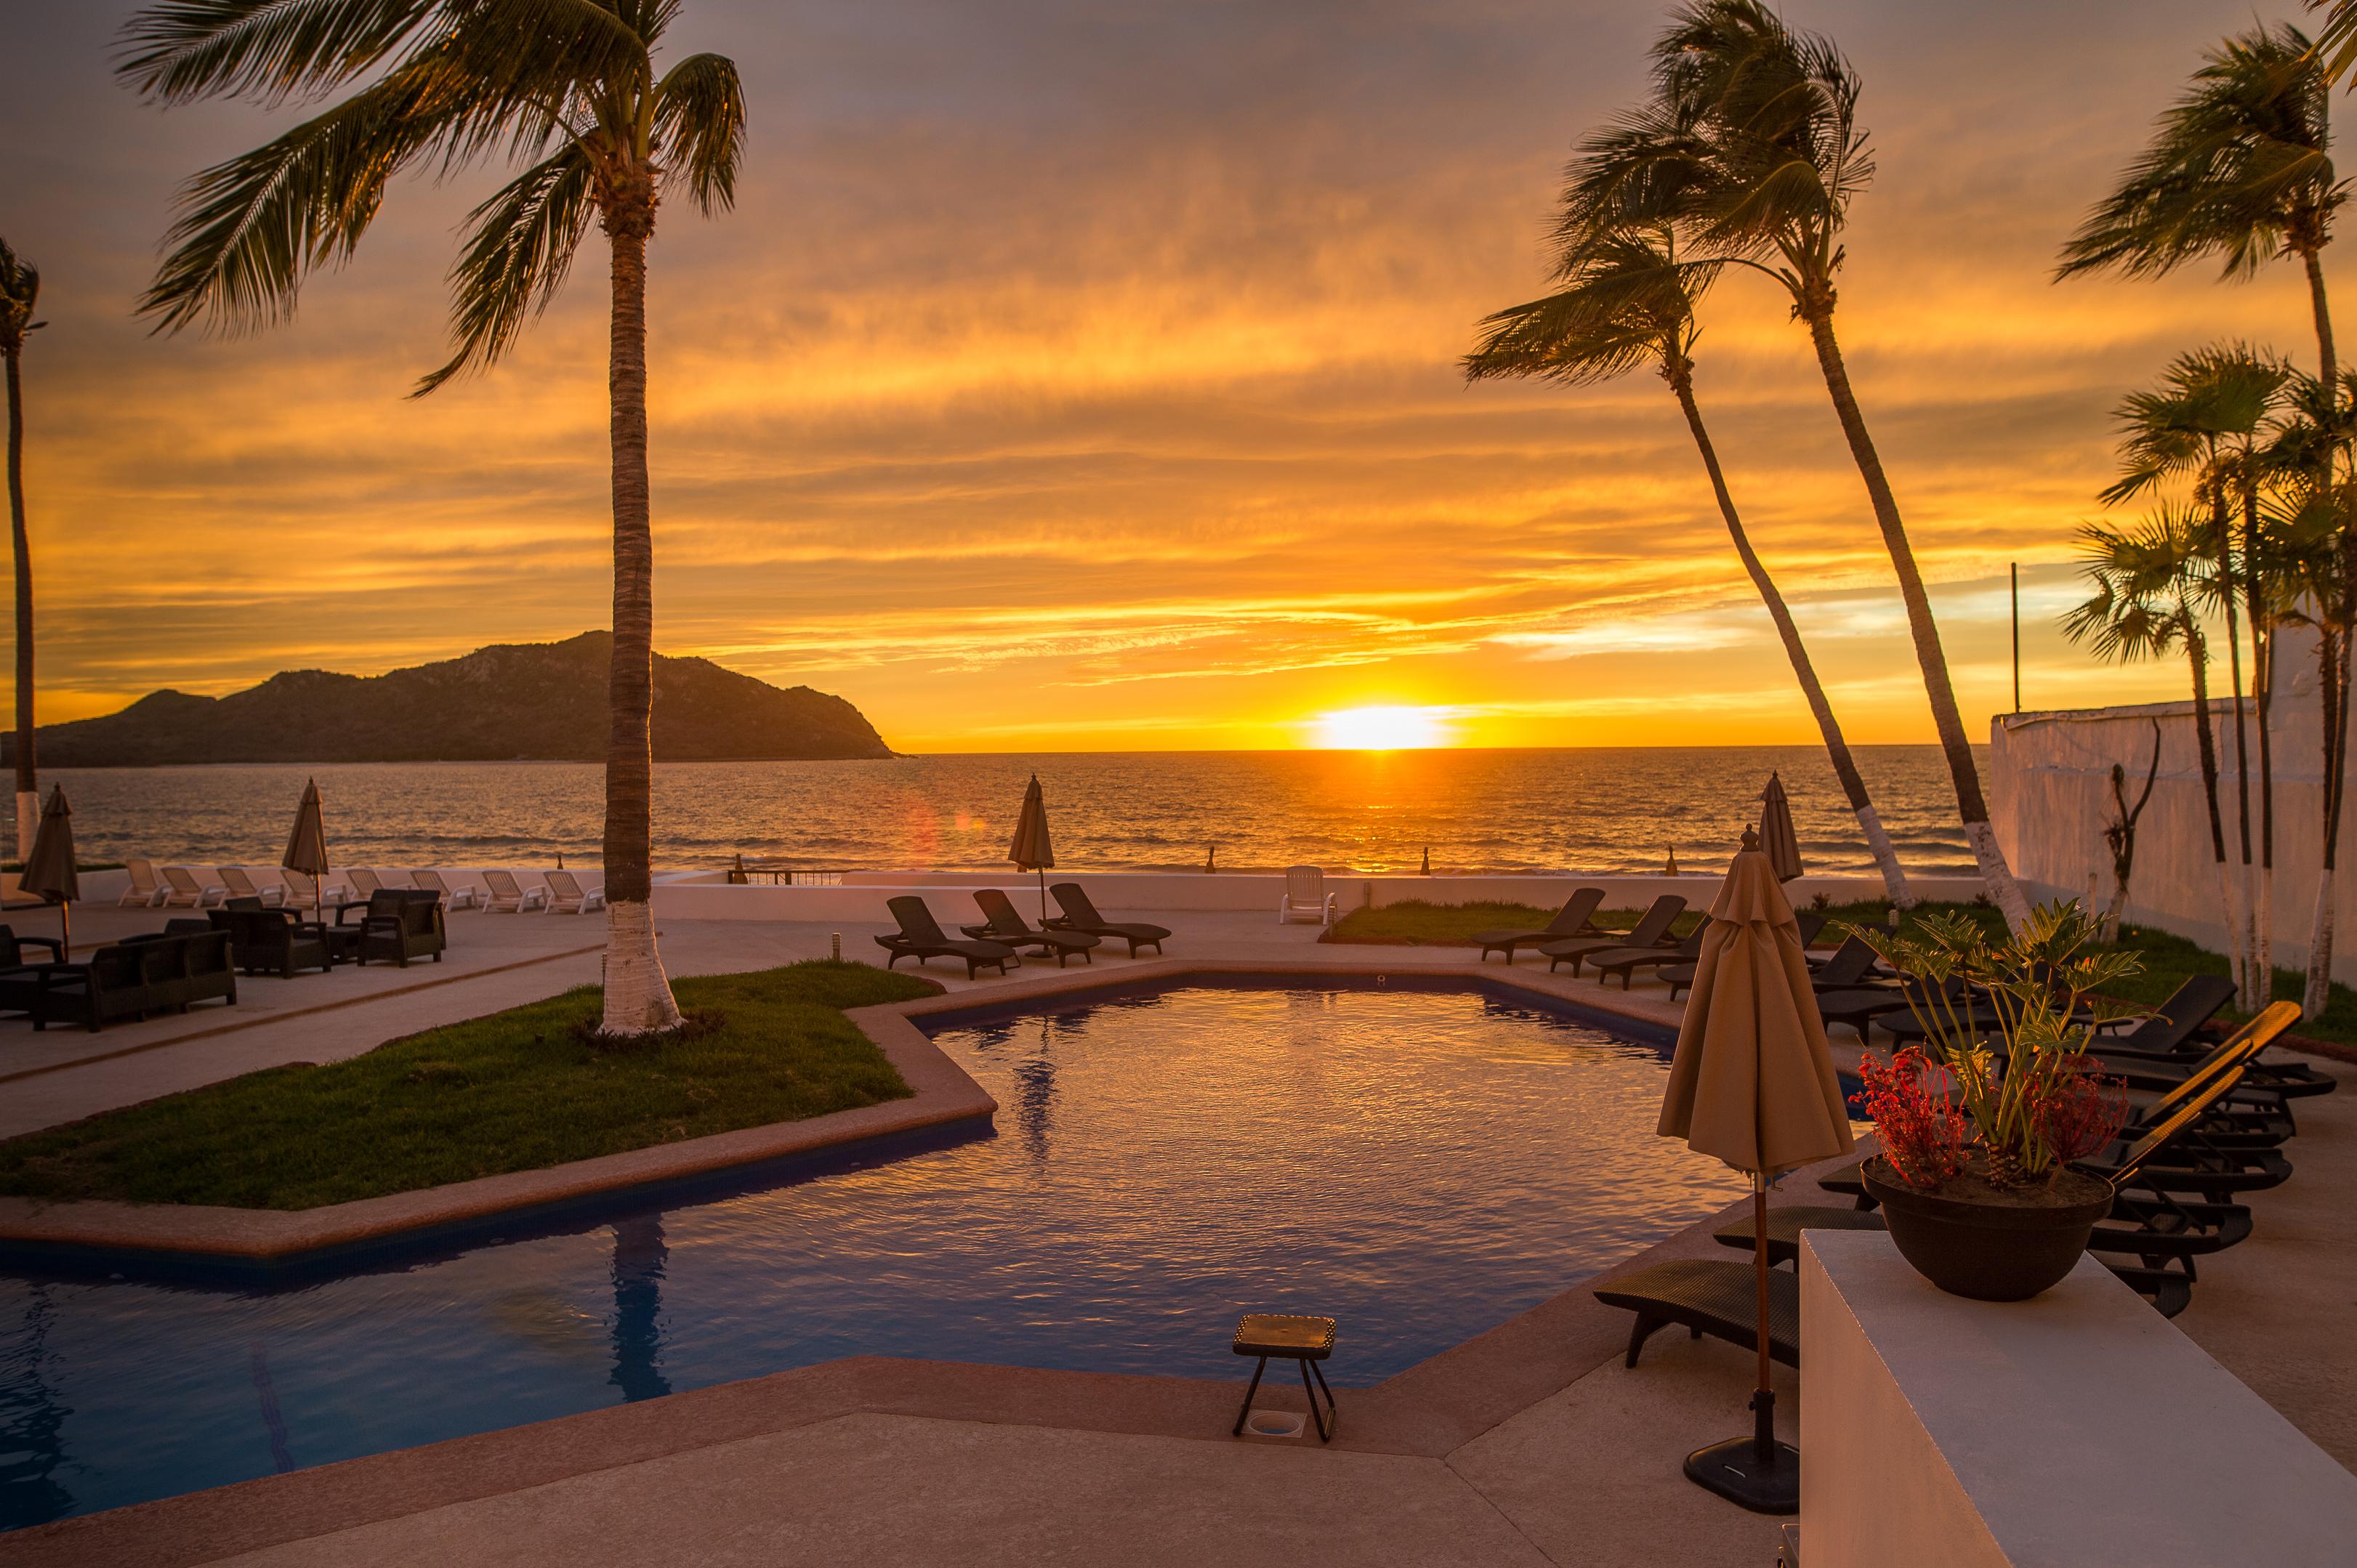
<point>2167,959</point>
<point>517,1091</point>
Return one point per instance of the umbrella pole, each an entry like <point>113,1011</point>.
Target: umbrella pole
<point>65,931</point>
<point>1763,1400</point>
<point>1043,895</point>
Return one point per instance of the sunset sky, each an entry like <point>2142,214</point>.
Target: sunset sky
<point>1074,376</point>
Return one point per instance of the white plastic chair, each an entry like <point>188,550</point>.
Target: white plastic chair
<point>509,899</point>
<point>238,884</point>
<point>145,889</point>
<point>1305,897</point>
<point>453,898</point>
<point>183,891</point>
<point>566,897</point>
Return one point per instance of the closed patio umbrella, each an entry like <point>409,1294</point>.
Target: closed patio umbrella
<point>1777,840</point>
<point>1753,1084</point>
<point>1032,851</point>
<point>306,846</point>
<point>50,868</point>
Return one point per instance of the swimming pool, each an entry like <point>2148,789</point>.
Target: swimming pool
<point>1420,1163</point>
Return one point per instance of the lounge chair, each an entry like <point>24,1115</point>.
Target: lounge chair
<point>1081,916</point>
<point>509,899</point>
<point>183,891</point>
<point>452,898</point>
<point>365,883</point>
<point>1861,1007</point>
<point>1718,1299</point>
<point>1626,961</point>
<point>1651,930</point>
<point>306,892</point>
<point>921,936</point>
<point>565,896</point>
<point>144,889</point>
<point>1847,967</point>
<point>1570,921</point>
<point>1680,977</point>
<point>2169,1034</point>
<point>1305,897</point>
<point>1006,926</point>
<point>241,886</point>
<point>2170,1291</point>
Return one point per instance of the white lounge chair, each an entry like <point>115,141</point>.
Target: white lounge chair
<point>236,884</point>
<point>566,897</point>
<point>507,899</point>
<point>364,881</point>
<point>303,894</point>
<point>183,891</point>
<point>1305,897</point>
<point>144,889</point>
<point>452,898</point>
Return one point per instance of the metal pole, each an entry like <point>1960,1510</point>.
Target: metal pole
<point>2015,568</point>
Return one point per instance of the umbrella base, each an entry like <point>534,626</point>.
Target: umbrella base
<point>1735,1470</point>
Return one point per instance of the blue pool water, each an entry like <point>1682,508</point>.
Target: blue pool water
<point>1420,1163</point>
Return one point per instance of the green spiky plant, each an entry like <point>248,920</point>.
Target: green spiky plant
<point>567,92</point>
<point>2040,983</point>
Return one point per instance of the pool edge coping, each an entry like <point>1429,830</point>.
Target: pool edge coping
<point>944,1093</point>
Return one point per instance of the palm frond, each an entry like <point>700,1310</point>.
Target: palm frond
<point>699,123</point>
<point>176,50</point>
<point>520,247</point>
<point>1629,300</point>
<point>253,227</point>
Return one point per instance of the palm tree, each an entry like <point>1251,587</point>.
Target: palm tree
<point>1753,145</point>
<point>2205,423</point>
<point>568,90</point>
<point>2153,584</point>
<point>1629,300</point>
<point>2240,168</point>
<point>20,288</point>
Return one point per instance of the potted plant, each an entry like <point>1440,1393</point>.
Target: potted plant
<point>1979,1128</point>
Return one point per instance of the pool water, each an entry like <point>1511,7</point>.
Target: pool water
<point>1420,1163</point>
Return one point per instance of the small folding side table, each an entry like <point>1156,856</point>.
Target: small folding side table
<point>1307,1340</point>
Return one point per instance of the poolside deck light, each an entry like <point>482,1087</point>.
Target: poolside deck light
<point>1753,1084</point>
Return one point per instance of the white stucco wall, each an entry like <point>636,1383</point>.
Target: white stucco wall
<point>2050,794</point>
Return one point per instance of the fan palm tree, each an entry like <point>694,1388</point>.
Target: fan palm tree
<point>566,89</point>
<point>1629,300</point>
<point>2207,423</point>
<point>1753,145</point>
<point>20,289</point>
<point>2154,584</point>
<point>2240,168</point>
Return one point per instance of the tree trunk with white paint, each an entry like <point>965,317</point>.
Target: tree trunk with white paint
<point>637,993</point>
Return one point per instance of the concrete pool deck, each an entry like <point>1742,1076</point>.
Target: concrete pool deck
<point>1529,1443</point>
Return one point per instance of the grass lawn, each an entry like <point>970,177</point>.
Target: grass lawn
<point>517,1091</point>
<point>2167,959</point>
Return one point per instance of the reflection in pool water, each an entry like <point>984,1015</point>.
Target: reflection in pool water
<point>1421,1164</point>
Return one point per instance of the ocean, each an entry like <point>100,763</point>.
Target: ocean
<point>1595,811</point>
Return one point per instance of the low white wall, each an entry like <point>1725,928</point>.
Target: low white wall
<point>2051,798</point>
<point>2079,1430</point>
<point>863,899</point>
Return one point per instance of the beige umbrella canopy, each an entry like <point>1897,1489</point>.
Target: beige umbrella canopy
<point>1753,1084</point>
<point>1032,851</point>
<point>49,869</point>
<point>1778,842</point>
<point>306,845</point>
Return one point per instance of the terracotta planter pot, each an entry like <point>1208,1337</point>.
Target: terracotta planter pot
<point>1989,1249</point>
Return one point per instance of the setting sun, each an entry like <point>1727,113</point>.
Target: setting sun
<point>1382,729</point>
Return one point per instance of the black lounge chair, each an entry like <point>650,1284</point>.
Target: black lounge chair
<point>1848,967</point>
<point>1860,1006</point>
<point>1651,930</point>
<point>2170,1291</point>
<point>1081,916</point>
<point>2169,1034</point>
<point>1721,1300</point>
<point>1680,976</point>
<point>921,936</point>
<point>1571,921</point>
<point>1626,961</point>
<point>1007,925</point>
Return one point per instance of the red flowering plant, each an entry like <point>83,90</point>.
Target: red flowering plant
<point>2010,1018</point>
<point>1921,1132</point>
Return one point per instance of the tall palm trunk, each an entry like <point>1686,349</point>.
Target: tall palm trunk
<point>2263,680</point>
<point>2238,910</point>
<point>28,795</point>
<point>638,995</point>
<point>2197,653</point>
<point>1817,310</point>
<point>1680,375</point>
<point>2337,673</point>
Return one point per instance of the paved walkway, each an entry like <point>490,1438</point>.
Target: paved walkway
<point>1532,1444</point>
